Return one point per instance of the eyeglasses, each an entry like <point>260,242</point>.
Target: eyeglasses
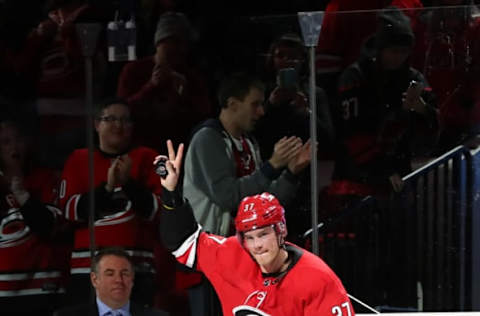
<point>112,119</point>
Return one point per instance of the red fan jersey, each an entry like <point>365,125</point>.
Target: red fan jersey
<point>32,263</point>
<point>309,287</point>
<point>130,225</point>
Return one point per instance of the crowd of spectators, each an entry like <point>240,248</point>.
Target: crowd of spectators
<point>392,86</point>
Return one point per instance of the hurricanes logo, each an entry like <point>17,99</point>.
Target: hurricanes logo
<point>13,230</point>
<point>116,217</point>
<point>255,298</point>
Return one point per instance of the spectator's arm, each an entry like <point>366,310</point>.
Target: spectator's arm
<point>80,208</point>
<point>135,90</point>
<point>285,187</point>
<point>430,112</point>
<point>73,191</point>
<point>144,202</point>
<point>40,217</point>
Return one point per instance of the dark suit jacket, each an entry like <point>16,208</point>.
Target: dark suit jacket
<point>92,310</point>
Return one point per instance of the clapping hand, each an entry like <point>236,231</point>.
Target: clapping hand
<point>302,159</point>
<point>118,172</point>
<point>284,150</point>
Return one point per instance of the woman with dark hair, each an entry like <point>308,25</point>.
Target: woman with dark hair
<point>34,254</point>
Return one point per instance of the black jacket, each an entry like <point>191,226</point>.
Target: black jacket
<point>376,137</point>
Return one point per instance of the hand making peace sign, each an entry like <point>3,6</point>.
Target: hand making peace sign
<point>173,163</point>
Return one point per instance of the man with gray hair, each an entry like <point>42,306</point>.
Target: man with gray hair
<point>112,277</point>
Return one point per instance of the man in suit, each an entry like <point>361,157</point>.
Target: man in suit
<point>112,277</point>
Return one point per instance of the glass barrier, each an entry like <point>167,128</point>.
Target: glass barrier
<point>91,93</point>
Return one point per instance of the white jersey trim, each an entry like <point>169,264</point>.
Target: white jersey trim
<point>29,276</point>
<point>55,211</point>
<point>249,308</point>
<point>189,244</point>
<point>79,270</point>
<point>69,206</point>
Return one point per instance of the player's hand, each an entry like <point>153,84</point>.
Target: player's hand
<point>302,159</point>
<point>118,172</point>
<point>173,164</point>
<point>284,150</point>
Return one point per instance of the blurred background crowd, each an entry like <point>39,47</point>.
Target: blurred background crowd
<point>397,86</point>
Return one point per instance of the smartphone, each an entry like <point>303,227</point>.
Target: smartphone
<point>287,78</point>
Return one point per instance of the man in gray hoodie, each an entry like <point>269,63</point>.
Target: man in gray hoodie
<point>223,163</point>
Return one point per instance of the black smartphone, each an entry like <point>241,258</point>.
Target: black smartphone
<point>287,78</point>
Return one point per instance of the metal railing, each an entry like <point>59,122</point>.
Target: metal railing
<point>429,235</point>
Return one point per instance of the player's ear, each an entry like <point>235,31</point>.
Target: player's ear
<point>281,241</point>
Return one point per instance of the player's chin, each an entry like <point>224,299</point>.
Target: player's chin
<point>263,259</point>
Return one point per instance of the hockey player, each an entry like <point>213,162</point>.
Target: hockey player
<point>255,272</point>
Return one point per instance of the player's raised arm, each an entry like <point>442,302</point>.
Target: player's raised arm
<point>177,221</point>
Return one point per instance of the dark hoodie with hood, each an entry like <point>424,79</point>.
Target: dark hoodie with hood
<point>376,135</point>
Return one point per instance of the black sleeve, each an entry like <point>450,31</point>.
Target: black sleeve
<point>141,197</point>
<point>38,217</point>
<point>177,222</point>
<point>102,200</point>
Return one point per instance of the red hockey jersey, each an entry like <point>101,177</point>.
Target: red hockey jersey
<point>32,263</point>
<point>123,227</point>
<point>308,288</point>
